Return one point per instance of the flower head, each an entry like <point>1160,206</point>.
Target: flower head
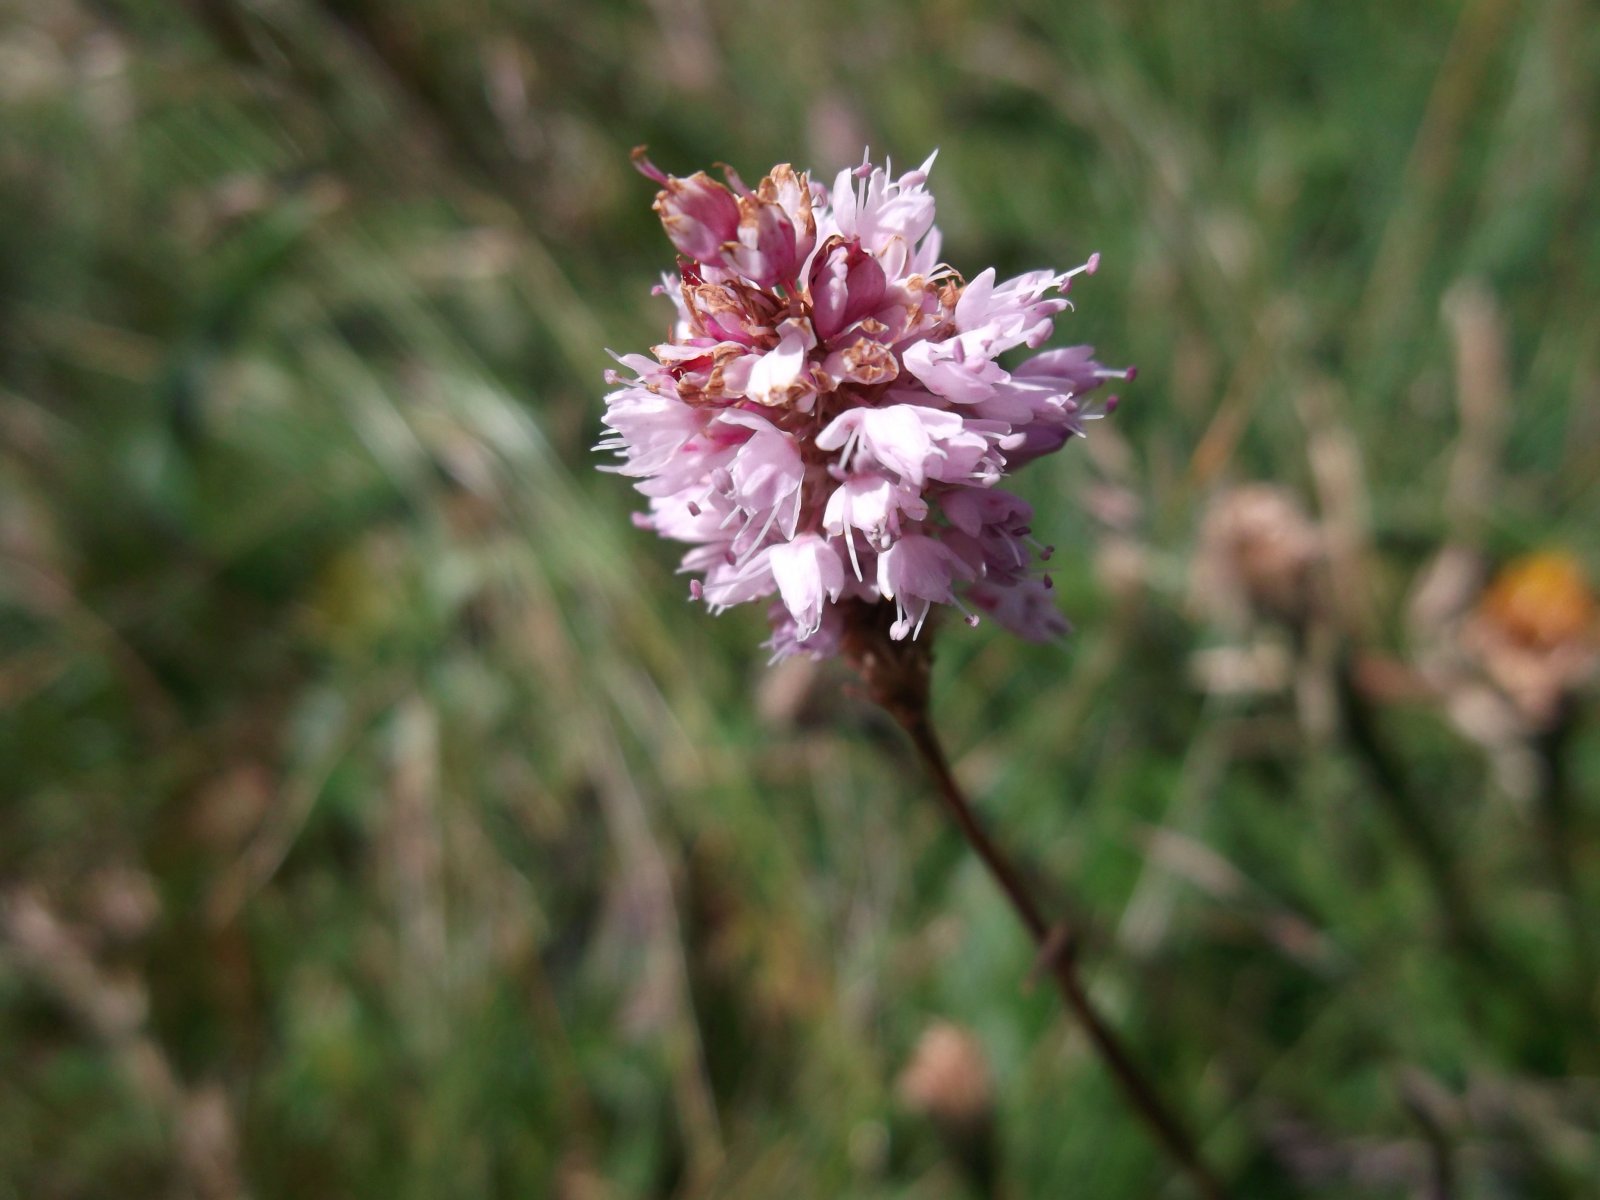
<point>829,420</point>
<point>1536,634</point>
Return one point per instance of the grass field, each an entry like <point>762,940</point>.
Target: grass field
<point>378,820</point>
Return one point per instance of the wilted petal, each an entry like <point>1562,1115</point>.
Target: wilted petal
<point>792,193</point>
<point>764,250</point>
<point>779,376</point>
<point>699,215</point>
<point>863,361</point>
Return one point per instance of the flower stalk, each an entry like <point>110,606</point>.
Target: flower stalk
<point>896,675</point>
<point>829,422</point>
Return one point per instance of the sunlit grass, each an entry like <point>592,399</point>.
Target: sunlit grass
<point>482,863</point>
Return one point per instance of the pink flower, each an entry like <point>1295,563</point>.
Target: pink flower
<point>808,571</point>
<point>699,215</point>
<point>846,284</point>
<point>830,418</point>
<point>917,572</point>
<point>1025,609</point>
<point>901,437</point>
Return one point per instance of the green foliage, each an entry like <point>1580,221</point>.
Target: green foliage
<point>379,820</point>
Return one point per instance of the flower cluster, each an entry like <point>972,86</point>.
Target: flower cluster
<point>829,421</point>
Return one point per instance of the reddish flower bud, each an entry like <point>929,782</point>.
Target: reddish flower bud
<point>847,284</point>
<point>700,216</point>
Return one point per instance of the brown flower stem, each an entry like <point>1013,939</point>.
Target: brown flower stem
<point>1056,956</point>
<point>897,676</point>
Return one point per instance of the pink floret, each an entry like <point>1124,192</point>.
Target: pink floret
<point>829,419</point>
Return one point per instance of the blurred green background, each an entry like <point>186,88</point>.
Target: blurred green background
<point>378,819</point>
